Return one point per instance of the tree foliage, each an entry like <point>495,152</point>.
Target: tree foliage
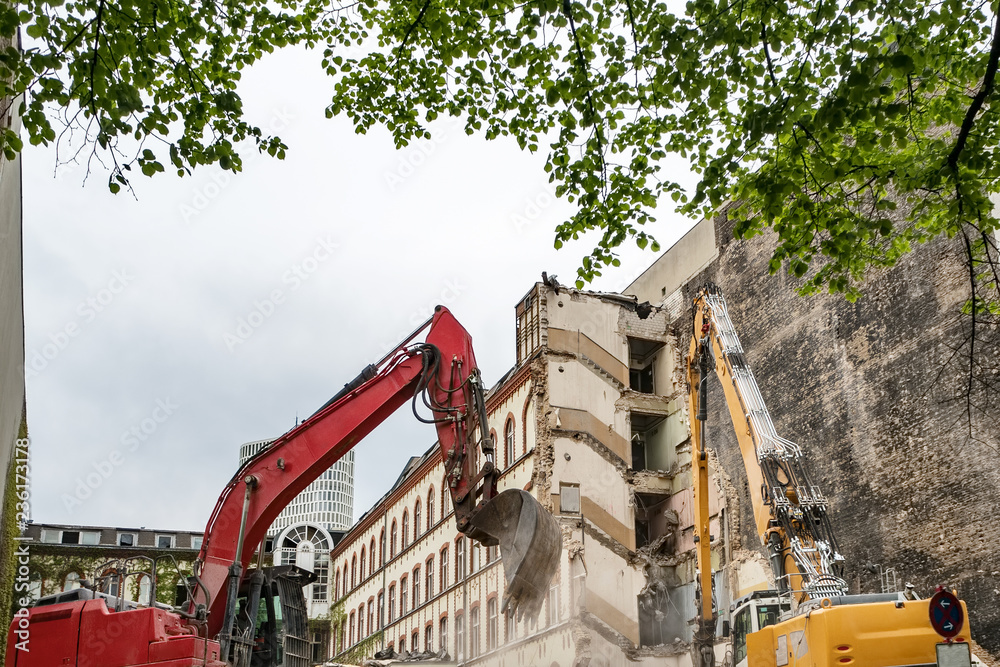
<point>853,128</point>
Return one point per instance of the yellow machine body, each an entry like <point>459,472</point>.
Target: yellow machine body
<point>880,634</point>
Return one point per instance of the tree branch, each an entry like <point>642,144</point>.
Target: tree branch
<point>980,98</point>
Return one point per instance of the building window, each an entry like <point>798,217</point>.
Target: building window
<point>444,569</point>
<point>415,641</point>
<point>554,602</point>
<point>491,624</point>
<point>474,557</point>
<point>371,557</point>
<point>460,559</point>
<point>336,586</point>
<point>642,359</point>
<point>381,609</point>
<point>381,548</point>
<point>474,632</point>
<point>71,582</point>
<point>444,502</point>
<point>392,540</point>
<point>371,616</point>
<point>392,603</point>
<point>321,568</point>
<point>460,636</point>
<point>70,537</point>
<point>145,587</point>
<point>350,637</point>
<point>164,541</point>
<point>429,589</point>
<point>416,587</point>
<point>108,582</point>
<point>361,575</point>
<point>510,627</point>
<point>196,541</point>
<point>430,508</point>
<point>416,520</point>
<point>406,528</point>
<point>402,596</point>
<point>128,539</point>
<point>361,623</point>
<point>443,635</point>
<point>429,638</point>
<point>354,571</point>
<point>402,644</point>
<point>51,536</point>
<point>508,442</point>
<point>569,498</point>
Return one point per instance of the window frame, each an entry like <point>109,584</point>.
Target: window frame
<point>509,442</point>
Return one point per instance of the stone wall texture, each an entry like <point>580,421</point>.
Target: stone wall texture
<point>874,391</point>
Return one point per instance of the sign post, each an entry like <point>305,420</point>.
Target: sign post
<point>947,618</point>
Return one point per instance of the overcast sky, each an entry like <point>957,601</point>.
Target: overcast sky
<point>133,309</point>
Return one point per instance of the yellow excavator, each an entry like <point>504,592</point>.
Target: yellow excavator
<point>808,618</point>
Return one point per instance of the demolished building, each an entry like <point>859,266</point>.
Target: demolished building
<point>591,420</point>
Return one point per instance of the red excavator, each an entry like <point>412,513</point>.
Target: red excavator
<point>235,615</point>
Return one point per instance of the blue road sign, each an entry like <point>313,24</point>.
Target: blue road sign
<point>946,614</point>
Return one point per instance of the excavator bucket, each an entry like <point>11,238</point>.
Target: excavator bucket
<point>530,543</point>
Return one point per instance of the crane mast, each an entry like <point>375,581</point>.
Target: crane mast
<point>790,511</point>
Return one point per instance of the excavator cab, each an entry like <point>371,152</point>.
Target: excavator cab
<point>751,613</point>
<point>271,625</point>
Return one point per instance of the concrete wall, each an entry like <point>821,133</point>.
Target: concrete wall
<point>11,307</point>
<point>873,392</point>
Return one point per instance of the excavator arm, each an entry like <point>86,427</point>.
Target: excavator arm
<point>443,373</point>
<point>789,510</point>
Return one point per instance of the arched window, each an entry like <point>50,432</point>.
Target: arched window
<point>402,596</point>
<point>371,616</point>
<point>459,636</point>
<point>416,520</point>
<point>361,576</point>
<point>416,587</point>
<point>405,529</point>
<point>72,581</point>
<point>491,624</point>
<point>371,557</point>
<point>430,508</point>
<point>350,637</point>
<point>361,623</point>
<point>392,602</point>
<point>444,569</point>
<point>508,442</point>
<point>381,609</point>
<point>381,548</point>
<point>354,571</point>
<point>429,588</point>
<point>392,540</point>
<point>460,567</point>
<point>336,587</point>
<point>444,501</point>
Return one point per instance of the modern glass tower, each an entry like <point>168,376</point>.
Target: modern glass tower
<point>327,502</point>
